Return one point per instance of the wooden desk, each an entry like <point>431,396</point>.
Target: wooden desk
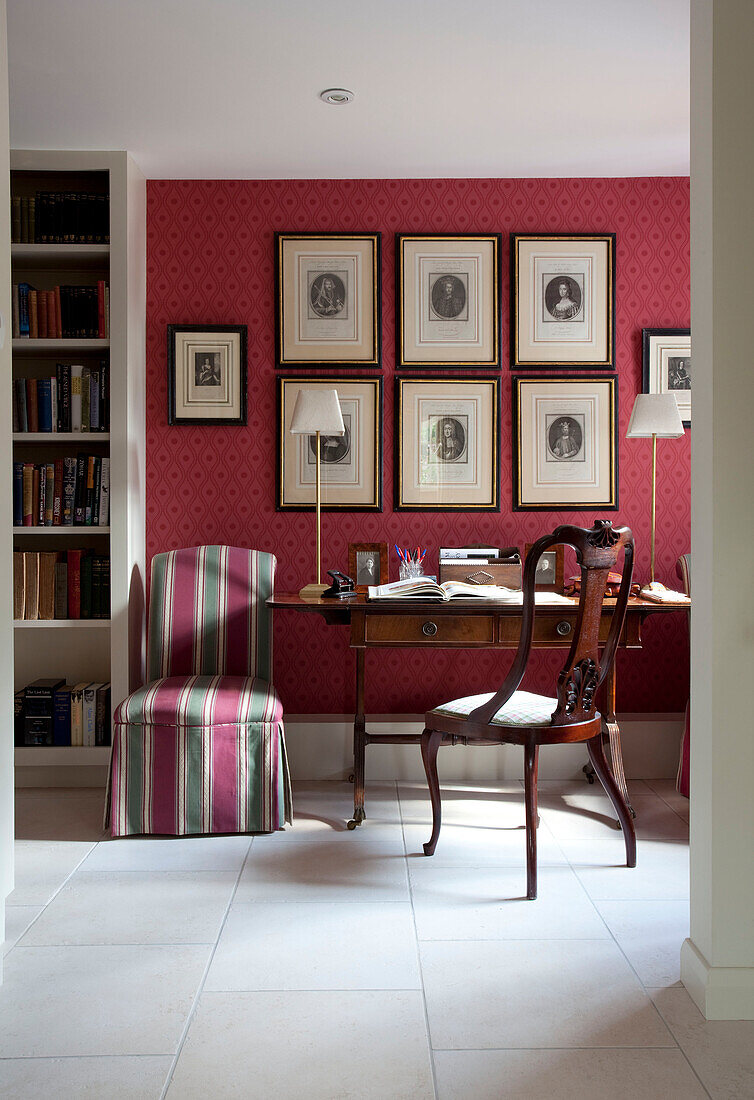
<point>462,624</point>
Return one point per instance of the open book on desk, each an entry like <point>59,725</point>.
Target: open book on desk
<point>425,588</point>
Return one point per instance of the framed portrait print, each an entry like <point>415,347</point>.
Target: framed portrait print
<point>207,374</point>
<point>368,563</point>
<point>563,300</point>
<point>350,464</point>
<point>550,575</point>
<point>327,299</point>
<point>666,357</point>
<point>448,300</point>
<point>565,444</point>
<point>447,444</point>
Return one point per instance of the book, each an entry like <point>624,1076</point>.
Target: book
<point>79,510</point>
<point>104,494</point>
<point>89,713</point>
<point>46,600</point>
<point>38,729</point>
<point>19,404</point>
<point>86,586</point>
<point>76,373</point>
<point>18,494</point>
<point>61,715</point>
<point>19,585</point>
<point>63,372</point>
<point>102,729</point>
<point>86,399</point>
<point>32,407</point>
<point>61,590</point>
<point>49,470</point>
<point>69,490</point>
<point>38,504</point>
<point>77,713</point>
<point>28,494</point>
<point>33,315</point>
<point>426,588</point>
<point>57,503</point>
<point>18,718</point>
<point>74,583</point>
<point>38,694</point>
<point>44,404</point>
<point>31,584</point>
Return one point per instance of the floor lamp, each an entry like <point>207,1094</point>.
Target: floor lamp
<point>654,416</point>
<point>317,412</point>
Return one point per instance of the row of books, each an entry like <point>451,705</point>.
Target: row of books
<point>77,399</point>
<point>60,217</point>
<point>65,312</point>
<point>69,492</point>
<point>60,584</point>
<point>51,712</point>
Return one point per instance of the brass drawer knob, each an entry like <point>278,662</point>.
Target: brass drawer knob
<point>564,628</point>
<point>429,629</point>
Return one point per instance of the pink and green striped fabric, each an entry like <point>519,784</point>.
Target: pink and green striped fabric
<point>201,747</point>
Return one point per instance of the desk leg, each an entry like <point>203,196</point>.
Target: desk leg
<point>611,730</point>
<point>359,743</point>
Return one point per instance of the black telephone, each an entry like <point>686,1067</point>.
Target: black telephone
<point>341,587</point>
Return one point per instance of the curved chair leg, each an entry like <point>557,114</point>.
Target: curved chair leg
<point>531,765</point>
<point>430,743</point>
<point>599,763</point>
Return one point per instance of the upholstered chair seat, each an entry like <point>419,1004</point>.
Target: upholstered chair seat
<point>522,709</point>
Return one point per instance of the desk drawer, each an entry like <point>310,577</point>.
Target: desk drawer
<point>430,629</point>
<point>550,628</point>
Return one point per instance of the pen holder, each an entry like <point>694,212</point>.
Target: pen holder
<point>409,569</point>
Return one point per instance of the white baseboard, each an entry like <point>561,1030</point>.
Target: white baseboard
<point>320,746</point>
<point>720,992</point>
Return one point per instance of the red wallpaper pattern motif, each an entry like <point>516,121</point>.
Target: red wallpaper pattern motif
<point>210,259</point>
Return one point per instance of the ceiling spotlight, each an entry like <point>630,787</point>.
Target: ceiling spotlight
<point>336,96</point>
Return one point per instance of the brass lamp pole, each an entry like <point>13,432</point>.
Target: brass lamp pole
<point>315,412</point>
<point>654,415</point>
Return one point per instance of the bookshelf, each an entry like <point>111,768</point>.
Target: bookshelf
<point>106,649</point>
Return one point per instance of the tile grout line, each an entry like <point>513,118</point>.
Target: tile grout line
<point>417,945</point>
<point>200,988</point>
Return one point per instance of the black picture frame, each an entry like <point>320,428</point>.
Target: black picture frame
<point>565,364</point>
<point>443,383</point>
<point>493,303</point>
<point>648,368</point>
<point>282,501</point>
<point>178,361</point>
<point>611,504</point>
<point>323,360</point>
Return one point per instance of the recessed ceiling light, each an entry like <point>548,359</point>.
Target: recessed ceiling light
<point>336,96</point>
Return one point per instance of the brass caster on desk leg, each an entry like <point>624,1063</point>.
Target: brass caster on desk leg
<point>588,771</point>
<point>358,816</point>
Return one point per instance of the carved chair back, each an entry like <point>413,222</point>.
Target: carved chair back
<point>597,551</point>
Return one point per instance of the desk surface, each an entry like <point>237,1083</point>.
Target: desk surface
<point>341,609</point>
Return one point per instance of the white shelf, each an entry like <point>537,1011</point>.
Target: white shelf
<point>61,437</point>
<point>61,624</point>
<point>60,530</point>
<point>54,755</point>
<point>24,346</point>
<point>72,256</point>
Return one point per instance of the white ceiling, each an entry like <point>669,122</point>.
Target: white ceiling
<point>228,88</point>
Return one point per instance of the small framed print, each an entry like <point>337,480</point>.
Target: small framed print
<point>666,357</point>
<point>350,464</point>
<point>448,298</point>
<point>562,300</point>
<point>207,374</point>
<point>447,444</point>
<point>368,563</point>
<point>327,295</point>
<point>550,575</point>
<point>565,444</point>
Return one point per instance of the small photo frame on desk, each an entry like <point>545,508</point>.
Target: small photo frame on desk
<point>207,374</point>
<point>550,576</point>
<point>368,563</point>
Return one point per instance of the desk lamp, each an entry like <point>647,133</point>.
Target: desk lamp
<point>654,415</point>
<point>315,412</point>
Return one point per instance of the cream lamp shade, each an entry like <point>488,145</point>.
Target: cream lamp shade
<point>655,414</point>
<point>318,411</point>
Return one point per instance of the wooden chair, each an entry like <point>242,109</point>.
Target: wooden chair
<point>513,717</point>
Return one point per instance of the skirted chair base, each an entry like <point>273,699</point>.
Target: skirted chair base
<point>199,754</point>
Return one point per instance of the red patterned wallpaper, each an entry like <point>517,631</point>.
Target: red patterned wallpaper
<point>210,259</point>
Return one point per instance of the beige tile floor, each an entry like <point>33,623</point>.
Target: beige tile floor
<point>322,964</point>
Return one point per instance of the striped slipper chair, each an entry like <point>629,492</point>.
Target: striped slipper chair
<point>200,748</point>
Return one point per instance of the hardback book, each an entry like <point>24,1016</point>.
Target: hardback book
<point>61,715</point>
<point>31,582</point>
<point>19,391</point>
<point>86,586</point>
<point>18,494</point>
<point>38,694</point>
<point>427,588</point>
<point>49,471</point>
<point>91,463</point>
<point>79,512</point>
<point>38,729</point>
<point>18,718</point>
<point>89,714</point>
<point>63,372</point>
<point>32,404</point>
<point>28,494</point>
<point>77,713</point>
<point>69,490</point>
<point>61,590</point>
<point>74,583</point>
<point>104,494</point>
<point>54,403</point>
<point>76,374</point>
<point>47,562</point>
<point>102,731</point>
<point>38,507</point>
<point>86,399</point>
<point>57,501</point>
<point>19,584</point>
<point>94,422</point>
<point>33,315</point>
<point>44,404</point>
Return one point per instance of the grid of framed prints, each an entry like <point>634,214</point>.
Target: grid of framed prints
<point>207,374</point>
<point>448,300</point>
<point>447,440</point>
<point>566,445</point>
<point>666,361</point>
<point>350,464</point>
<point>562,301</point>
<point>327,295</point>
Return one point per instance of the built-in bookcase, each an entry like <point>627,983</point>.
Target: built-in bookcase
<point>108,649</point>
